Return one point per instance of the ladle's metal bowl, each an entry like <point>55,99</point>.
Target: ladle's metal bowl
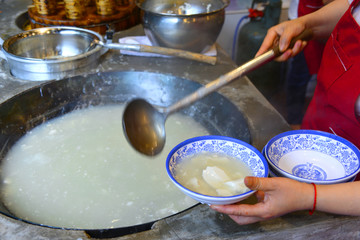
<point>26,110</point>
<point>51,53</point>
<point>183,24</point>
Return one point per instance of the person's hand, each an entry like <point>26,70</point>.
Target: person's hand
<point>282,34</point>
<point>276,196</point>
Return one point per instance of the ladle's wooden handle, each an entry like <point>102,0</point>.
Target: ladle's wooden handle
<point>306,35</point>
<point>230,76</point>
<point>178,53</point>
<point>160,50</point>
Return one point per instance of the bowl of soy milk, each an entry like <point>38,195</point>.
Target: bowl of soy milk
<point>211,169</point>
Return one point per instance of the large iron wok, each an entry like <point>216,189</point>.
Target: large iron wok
<point>26,110</point>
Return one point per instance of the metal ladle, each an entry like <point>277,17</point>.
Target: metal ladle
<point>144,124</point>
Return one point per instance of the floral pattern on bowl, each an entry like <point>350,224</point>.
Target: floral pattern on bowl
<point>313,156</point>
<point>309,171</point>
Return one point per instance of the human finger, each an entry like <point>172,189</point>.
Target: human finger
<point>244,220</point>
<point>268,42</point>
<point>285,56</point>
<point>239,209</point>
<point>298,47</point>
<point>259,183</point>
<point>289,33</point>
<point>260,196</point>
<point>291,50</point>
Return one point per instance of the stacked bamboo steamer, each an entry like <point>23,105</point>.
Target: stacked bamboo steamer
<point>96,15</point>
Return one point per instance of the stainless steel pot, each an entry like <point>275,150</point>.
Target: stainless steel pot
<point>190,25</point>
<point>53,52</point>
<point>26,110</point>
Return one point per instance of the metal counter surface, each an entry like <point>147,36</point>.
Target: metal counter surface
<point>199,222</point>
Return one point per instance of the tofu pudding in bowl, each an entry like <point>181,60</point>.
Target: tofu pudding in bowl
<point>213,174</point>
<point>211,169</point>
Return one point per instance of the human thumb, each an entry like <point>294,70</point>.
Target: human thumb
<point>255,183</point>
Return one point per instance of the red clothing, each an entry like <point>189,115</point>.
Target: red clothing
<point>308,6</point>
<point>338,83</point>
<point>314,49</point>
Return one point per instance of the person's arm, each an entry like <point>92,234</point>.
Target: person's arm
<point>279,196</point>
<point>326,1</point>
<point>323,21</point>
<point>320,22</point>
<point>341,198</point>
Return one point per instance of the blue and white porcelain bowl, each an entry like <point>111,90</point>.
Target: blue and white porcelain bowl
<point>235,148</point>
<point>274,173</point>
<point>313,157</point>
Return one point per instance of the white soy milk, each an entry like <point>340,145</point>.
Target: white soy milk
<point>78,171</point>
